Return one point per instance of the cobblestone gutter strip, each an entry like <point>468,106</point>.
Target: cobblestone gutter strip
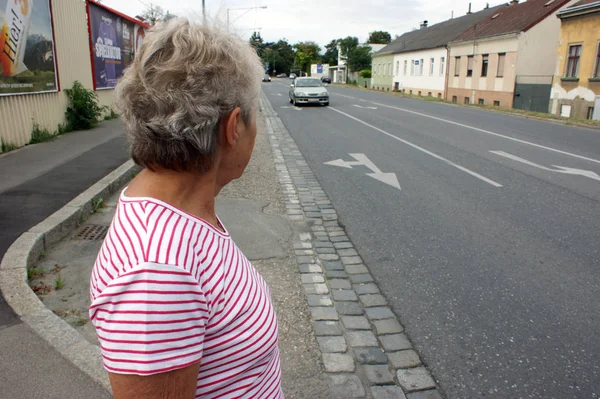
<point>25,252</point>
<point>365,350</point>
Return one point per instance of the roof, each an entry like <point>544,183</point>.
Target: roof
<point>437,35</point>
<point>514,18</point>
<point>583,7</point>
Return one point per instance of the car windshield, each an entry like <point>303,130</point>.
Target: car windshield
<point>308,83</point>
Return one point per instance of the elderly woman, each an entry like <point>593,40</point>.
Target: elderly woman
<point>179,311</point>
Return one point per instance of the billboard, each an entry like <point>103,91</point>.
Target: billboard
<point>114,41</point>
<point>27,59</point>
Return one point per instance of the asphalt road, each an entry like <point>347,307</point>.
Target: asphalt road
<point>489,253</point>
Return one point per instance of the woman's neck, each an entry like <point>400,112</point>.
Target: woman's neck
<point>192,193</point>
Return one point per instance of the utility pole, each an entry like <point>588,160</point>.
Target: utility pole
<point>204,11</point>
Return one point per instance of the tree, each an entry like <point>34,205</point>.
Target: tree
<point>257,42</point>
<point>347,45</point>
<point>379,37</point>
<point>359,58</point>
<point>307,53</point>
<point>331,53</point>
<point>153,14</point>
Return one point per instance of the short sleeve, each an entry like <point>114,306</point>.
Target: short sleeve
<point>150,320</point>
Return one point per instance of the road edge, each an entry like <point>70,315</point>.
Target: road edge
<point>365,349</point>
<point>32,245</point>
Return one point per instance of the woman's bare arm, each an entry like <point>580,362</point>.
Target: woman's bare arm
<point>176,384</point>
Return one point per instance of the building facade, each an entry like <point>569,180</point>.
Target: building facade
<point>576,86</point>
<point>508,59</point>
<point>382,72</point>
<point>419,62</point>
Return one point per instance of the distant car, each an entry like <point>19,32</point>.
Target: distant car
<point>282,75</point>
<point>325,79</point>
<point>266,78</point>
<point>308,91</point>
<point>292,76</point>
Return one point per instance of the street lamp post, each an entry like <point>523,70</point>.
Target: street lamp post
<point>238,9</point>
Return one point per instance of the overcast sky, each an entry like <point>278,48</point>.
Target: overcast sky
<point>316,20</point>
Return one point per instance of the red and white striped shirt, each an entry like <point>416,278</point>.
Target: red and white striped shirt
<point>168,290</point>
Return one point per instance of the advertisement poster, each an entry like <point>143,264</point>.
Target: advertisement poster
<point>27,61</point>
<point>114,41</point>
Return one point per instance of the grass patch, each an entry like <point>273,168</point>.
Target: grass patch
<point>41,135</point>
<point>59,283</point>
<point>35,272</point>
<point>510,111</point>
<point>111,115</point>
<point>97,204</point>
<point>6,147</point>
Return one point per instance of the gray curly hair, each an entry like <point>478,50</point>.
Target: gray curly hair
<point>184,79</point>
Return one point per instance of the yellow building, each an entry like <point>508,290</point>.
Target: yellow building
<point>576,86</point>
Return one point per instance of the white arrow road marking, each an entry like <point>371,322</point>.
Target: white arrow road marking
<point>362,160</point>
<point>436,156</point>
<point>560,169</point>
<point>360,106</point>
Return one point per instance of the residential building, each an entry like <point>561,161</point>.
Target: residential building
<point>576,88</point>
<point>508,59</point>
<point>419,60</point>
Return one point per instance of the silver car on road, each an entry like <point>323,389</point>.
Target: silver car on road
<point>308,91</point>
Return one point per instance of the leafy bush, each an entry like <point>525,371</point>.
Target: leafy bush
<point>365,74</point>
<point>40,135</point>
<point>84,111</point>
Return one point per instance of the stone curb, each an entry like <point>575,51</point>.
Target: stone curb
<point>25,252</point>
<point>365,350</point>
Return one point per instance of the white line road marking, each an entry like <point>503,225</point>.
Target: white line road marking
<point>288,107</point>
<point>361,159</point>
<point>472,173</point>
<point>276,94</point>
<point>360,106</point>
<point>488,132</point>
<point>343,95</point>
<point>561,169</point>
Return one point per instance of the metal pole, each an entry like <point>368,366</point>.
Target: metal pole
<point>204,11</point>
<point>228,20</point>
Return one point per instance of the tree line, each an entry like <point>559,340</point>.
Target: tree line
<point>283,57</point>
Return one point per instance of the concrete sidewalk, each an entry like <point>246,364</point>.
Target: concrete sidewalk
<point>35,182</point>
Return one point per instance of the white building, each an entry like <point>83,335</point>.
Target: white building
<point>416,62</point>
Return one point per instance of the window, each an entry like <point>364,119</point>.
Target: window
<point>597,69</point>
<point>412,68</point>
<point>456,66</point>
<point>573,61</point>
<point>496,103</point>
<point>391,69</point>
<point>501,62</point>
<point>454,99</point>
<point>442,61</point>
<point>467,100</point>
<point>470,66</point>
<point>421,65</point>
<point>397,68</point>
<point>481,101</point>
<point>405,66</point>
<point>431,66</point>
<point>484,65</point>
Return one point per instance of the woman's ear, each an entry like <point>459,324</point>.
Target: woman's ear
<point>231,127</point>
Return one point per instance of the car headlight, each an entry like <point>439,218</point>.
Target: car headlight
<point>298,93</point>
<point>325,94</point>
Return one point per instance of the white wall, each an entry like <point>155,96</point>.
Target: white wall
<point>427,81</point>
<point>537,47</point>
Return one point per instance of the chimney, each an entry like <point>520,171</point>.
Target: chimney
<point>452,15</point>
<point>423,24</point>
<point>487,5</point>
<point>514,2</point>
<point>469,12</point>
